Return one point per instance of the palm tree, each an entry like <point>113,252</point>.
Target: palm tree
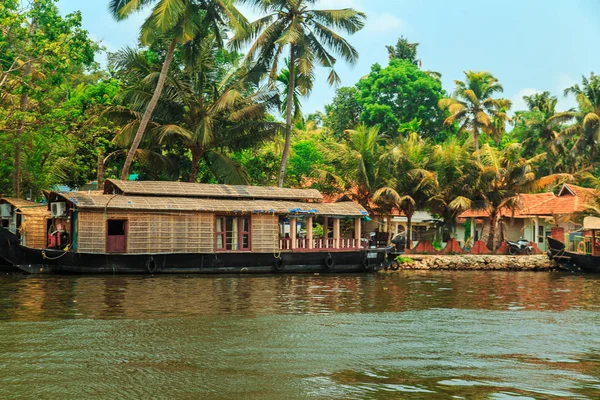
<point>360,163</point>
<point>457,176</point>
<point>504,174</point>
<point>539,120</point>
<point>586,127</point>
<point>309,37</point>
<point>208,104</point>
<point>284,79</point>
<point>412,185</point>
<point>179,21</point>
<point>474,107</point>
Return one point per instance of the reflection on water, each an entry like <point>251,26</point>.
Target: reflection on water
<point>427,334</point>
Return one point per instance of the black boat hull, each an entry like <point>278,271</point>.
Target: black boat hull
<point>58,261</point>
<point>572,261</point>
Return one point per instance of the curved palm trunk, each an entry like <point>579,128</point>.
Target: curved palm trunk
<point>196,154</point>
<point>288,118</point>
<point>100,170</point>
<point>149,110</point>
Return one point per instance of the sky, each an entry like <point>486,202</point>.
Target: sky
<point>529,45</point>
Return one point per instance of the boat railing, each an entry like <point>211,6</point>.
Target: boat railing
<point>318,244</point>
<point>582,244</point>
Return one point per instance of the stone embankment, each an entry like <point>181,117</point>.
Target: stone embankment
<point>477,262</point>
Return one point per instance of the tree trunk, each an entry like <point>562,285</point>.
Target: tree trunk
<point>476,138</point>
<point>195,161</point>
<point>288,118</point>
<point>24,102</point>
<point>408,239</point>
<point>389,229</point>
<point>149,110</point>
<point>550,163</point>
<point>100,170</point>
<point>492,232</point>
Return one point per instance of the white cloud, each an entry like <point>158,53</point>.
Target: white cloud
<point>518,103</point>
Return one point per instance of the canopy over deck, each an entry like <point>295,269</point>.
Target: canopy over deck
<point>190,204</point>
<point>198,190</point>
<point>591,223</point>
<point>26,207</point>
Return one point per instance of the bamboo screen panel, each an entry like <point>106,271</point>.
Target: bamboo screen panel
<point>91,232</point>
<point>150,232</point>
<point>265,233</point>
<point>34,229</point>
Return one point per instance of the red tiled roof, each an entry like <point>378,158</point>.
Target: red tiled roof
<point>571,199</point>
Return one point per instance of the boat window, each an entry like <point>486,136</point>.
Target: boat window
<point>116,227</point>
<point>232,233</point>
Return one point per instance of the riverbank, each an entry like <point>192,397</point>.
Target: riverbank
<point>477,262</point>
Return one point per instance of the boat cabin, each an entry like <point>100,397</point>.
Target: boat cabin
<point>26,220</point>
<point>134,217</point>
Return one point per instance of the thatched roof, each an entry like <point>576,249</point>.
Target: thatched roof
<point>26,207</point>
<point>184,189</point>
<point>152,203</point>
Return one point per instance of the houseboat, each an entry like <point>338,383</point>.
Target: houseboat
<point>582,253</point>
<point>176,227</point>
<point>25,223</point>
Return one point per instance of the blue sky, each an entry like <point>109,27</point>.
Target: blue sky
<point>529,45</point>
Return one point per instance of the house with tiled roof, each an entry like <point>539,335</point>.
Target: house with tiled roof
<point>535,216</point>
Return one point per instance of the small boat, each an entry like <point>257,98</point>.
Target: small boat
<point>583,257</point>
<point>176,227</point>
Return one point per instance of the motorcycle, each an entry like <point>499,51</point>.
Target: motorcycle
<point>520,247</point>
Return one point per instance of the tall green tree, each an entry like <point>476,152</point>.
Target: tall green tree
<point>209,104</point>
<point>399,93</point>
<point>411,185</point>
<point>538,130</point>
<point>177,21</point>
<point>474,107</point>
<point>40,54</point>
<point>585,128</point>
<point>309,38</point>
<point>457,176</point>
<point>343,112</point>
<point>504,174</point>
<point>404,50</point>
<point>361,165</point>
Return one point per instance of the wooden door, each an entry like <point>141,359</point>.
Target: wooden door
<point>116,236</point>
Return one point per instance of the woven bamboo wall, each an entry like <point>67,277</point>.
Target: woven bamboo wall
<point>265,233</point>
<point>150,232</point>
<point>34,230</point>
<point>91,231</point>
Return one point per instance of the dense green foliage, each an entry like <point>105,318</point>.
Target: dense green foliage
<point>186,106</point>
<point>399,93</point>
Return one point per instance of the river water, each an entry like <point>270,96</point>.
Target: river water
<point>403,335</point>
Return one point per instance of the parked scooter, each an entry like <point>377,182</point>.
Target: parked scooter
<point>520,247</point>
